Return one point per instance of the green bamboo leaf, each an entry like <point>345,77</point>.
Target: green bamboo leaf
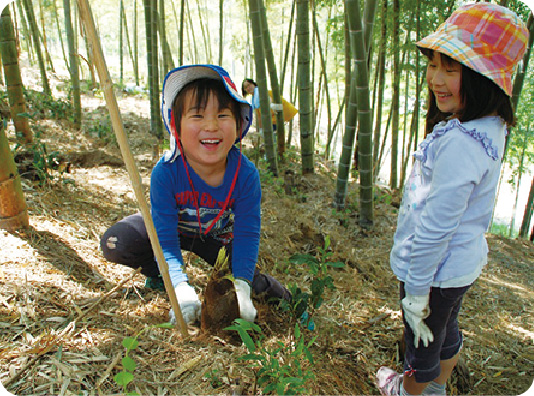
<point>123,378</point>
<point>297,330</point>
<point>232,327</point>
<point>292,380</point>
<point>327,242</point>
<point>130,343</point>
<point>253,356</point>
<point>269,388</point>
<point>309,356</point>
<point>128,363</point>
<point>336,264</point>
<point>165,325</point>
<point>302,259</point>
<point>247,340</point>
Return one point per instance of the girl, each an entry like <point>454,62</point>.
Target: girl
<point>439,247</point>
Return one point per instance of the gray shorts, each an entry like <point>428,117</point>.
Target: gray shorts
<point>424,362</point>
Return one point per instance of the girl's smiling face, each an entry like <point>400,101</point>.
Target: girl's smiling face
<point>207,134</point>
<point>249,87</point>
<point>444,78</point>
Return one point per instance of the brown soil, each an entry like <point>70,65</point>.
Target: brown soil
<point>62,318</point>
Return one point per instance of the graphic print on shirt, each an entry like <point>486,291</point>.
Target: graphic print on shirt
<point>209,209</point>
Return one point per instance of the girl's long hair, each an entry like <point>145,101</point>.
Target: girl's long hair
<point>480,97</point>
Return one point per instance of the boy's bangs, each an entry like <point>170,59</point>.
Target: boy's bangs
<point>202,89</point>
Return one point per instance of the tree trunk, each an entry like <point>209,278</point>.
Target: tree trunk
<point>43,37</point>
<point>182,19</point>
<point>519,176</point>
<point>136,46</point>
<point>395,102</point>
<point>25,31</point>
<point>351,115</point>
<point>381,85</point>
<point>365,141</point>
<point>152,65</point>
<point>121,44</point>
<point>165,49</point>
<point>60,35</point>
<point>37,44</point>
<point>127,35</point>
<point>292,89</point>
<point>325,77</point>
<point>193,48</point>
<point>275,87</point>
<point>261,79</point>
<point>205,33</point>
<point>529,211</point>
<point>520,76</point>
<point>288,44</point>
<point>413,132</point>
<point>73,67</point>
<point>221,30</point>
<point>304,86</point>
<point>8,52</point>
<point>13,211</point>
<point>417,72</point>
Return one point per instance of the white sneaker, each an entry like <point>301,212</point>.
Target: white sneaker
<point>388,381</point>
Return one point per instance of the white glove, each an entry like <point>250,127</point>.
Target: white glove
<point>246,307</point>
<point>416,308</point>
<point>277,107</point>
<point>189,303</point>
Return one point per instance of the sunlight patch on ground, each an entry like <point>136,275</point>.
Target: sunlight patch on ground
<point>14,249</point>
<point>105,179</point>
<point>499,282</point>
<point>520,330</point>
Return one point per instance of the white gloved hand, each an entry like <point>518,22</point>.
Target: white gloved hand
<point>189,303</point>
<point>416,308</point>
<point>246,307</point>
<point>277,106</point>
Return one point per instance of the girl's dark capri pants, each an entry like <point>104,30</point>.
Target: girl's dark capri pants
<point>126,242</point>
<point>424,362</point>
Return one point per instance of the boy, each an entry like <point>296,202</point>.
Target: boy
<point>204,192</point>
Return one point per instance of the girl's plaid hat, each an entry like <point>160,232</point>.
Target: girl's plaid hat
<point>488,38</point>
<point>178,78</point>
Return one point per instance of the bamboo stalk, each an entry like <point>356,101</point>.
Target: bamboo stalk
<point>133,172</point>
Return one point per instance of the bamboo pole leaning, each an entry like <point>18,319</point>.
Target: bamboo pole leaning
<point>133,172</point>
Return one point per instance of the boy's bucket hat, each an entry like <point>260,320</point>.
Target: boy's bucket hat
<point>178,78</point>
<point>488,38</point>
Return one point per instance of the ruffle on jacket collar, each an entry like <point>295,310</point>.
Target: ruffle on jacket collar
<point>445,126</point>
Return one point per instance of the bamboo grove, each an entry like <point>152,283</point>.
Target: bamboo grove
<point>349,66</point>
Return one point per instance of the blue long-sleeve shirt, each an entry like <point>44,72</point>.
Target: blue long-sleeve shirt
<point>447,205</point>
<point>174,212</point>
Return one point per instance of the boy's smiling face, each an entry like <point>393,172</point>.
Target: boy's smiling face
<point>207,135</point>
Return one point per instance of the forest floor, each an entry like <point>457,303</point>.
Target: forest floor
<point>64,310</point>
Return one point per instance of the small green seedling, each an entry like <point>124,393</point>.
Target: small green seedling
<point>124,377</point>
<point>303,305</point>
<point>283,369</point>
